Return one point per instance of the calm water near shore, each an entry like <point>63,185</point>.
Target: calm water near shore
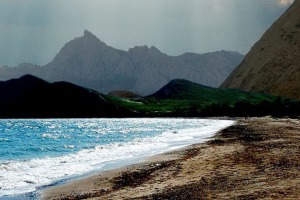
<point>39,152</point>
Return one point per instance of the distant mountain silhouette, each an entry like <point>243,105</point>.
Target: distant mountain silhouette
<point>273,64</point>
<point>89,62</point>
<point>31,97</point>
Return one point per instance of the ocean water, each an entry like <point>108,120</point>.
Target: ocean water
<point>39,152</point>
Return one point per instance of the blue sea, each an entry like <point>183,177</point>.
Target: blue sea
<point>38,152</point>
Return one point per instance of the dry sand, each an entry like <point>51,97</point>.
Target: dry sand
<point>256,158</point>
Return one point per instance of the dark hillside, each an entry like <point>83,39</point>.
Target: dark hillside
<point>31,97</point>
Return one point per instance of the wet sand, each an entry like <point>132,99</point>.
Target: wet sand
<point>256,158</point>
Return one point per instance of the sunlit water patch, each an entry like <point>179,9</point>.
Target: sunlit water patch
<point>34,153</point>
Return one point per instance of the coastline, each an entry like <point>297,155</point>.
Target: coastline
<point>255,158</point>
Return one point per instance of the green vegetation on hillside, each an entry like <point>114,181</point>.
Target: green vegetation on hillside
<point>184,98</point>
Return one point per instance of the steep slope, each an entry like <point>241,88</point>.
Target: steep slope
<point>29,96</point>
<point>273,64</point>
<point>89,62</point>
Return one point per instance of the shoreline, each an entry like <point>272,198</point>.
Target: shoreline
<point>66,189</point>
<point>161,136</point>
<point>255,158</point>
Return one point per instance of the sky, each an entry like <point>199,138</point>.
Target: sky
<point>34,31</point>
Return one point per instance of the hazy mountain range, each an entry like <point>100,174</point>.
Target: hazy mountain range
<point>89,62</point>
<point>273,64</point>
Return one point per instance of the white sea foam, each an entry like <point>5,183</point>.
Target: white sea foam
<point>24,176</point>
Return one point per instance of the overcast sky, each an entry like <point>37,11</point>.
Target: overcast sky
<point>35,30</point>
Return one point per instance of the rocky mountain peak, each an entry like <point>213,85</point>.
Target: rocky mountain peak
<point>87,33</point>
<point>85,48</point>
<point>89,39</point>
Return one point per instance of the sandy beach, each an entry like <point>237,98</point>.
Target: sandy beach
<point>255,158</point>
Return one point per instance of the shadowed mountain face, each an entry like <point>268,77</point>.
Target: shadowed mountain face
<point>273,64</point>
<point>29,96</point>
<point>89,62</point>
